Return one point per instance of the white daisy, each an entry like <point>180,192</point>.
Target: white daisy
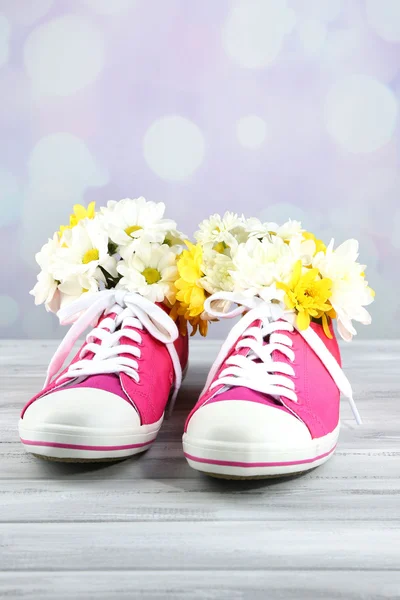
<point>73,289</point>
<point>83,260</point>
<point>175,240</point>
<point>132,220</point>
<point>217,268</point>
<point>350,291</point>
<point>151,271</point>
<point>45,291</point>
<point>259,264</point>
<point>222,233</point>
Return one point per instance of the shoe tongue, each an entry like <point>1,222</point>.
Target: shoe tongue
<point>244,351</point>
<point>239,393</point>
<point>105,381</point>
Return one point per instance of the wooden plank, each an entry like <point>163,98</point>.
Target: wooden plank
<point>287,584</point>
<point>96,530</point>
<point>206,545</point>
<point>199,499</point>
<point>165,460</point>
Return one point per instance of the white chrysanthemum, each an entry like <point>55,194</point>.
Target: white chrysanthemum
<point>151,271</point>
<point>288,231</point>
<point>259,264</point>
<point>222,233</point>
<point>303,250</point>
<point>257,229</point>
<point>45,291</point>
<point>131,221</point>
<point>217,268</point>
<point>83,260</point>
<point>350,291</point>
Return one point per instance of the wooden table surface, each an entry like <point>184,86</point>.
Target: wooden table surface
<point>150,527</point>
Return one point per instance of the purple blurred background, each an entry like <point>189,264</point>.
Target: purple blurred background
<point>272,108</point>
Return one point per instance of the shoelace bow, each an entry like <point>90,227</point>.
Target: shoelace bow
<point>257,370</point>
<point>133,314</point>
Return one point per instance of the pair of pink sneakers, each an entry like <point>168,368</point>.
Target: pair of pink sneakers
<point>270,405</point>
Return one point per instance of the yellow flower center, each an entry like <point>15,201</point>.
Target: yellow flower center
<point>92,254</point>
<point>220,247</point>
<point>151,275</point>
<point>132,229</point>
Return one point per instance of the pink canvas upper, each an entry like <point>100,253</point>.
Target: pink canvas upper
<point>317,394</point>
<point>150,396</point>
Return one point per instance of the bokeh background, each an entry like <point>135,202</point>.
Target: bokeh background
<point>273,108</point>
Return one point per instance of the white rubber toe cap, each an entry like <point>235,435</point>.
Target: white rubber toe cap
<point>241,421</point>
<point>81,407</point>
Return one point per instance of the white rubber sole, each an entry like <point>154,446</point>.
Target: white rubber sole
<point>249,461</point>
<point>77,444</point>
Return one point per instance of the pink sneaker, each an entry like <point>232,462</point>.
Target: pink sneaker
<point>270,406</point>
<point>111,400</point>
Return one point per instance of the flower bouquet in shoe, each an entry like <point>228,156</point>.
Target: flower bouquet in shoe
<point>113,271</point>
<point>270,405</point>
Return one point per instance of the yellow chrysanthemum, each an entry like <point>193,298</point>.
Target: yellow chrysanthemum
<point>80,213</point>
<point>190,295</point>
<point>180,314</point>
<point>309,295</point>
<point>319,244</point>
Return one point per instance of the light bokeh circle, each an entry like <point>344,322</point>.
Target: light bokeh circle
<point>323,10</point>
<point>10,197</point>
<point>254,31</point>
<point>9,310</point>
<point>61,167</point>
<point>110,7</point>
<point>173,147</point>
<point>384,17</point>
<point>360,113</point>
<point>312,34</point>
<point>63,55</point>
<point>5,31</point>
<point>251,131</point>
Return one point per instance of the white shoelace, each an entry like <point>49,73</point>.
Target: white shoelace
<point>257,370</point>
<point>133,314</point>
